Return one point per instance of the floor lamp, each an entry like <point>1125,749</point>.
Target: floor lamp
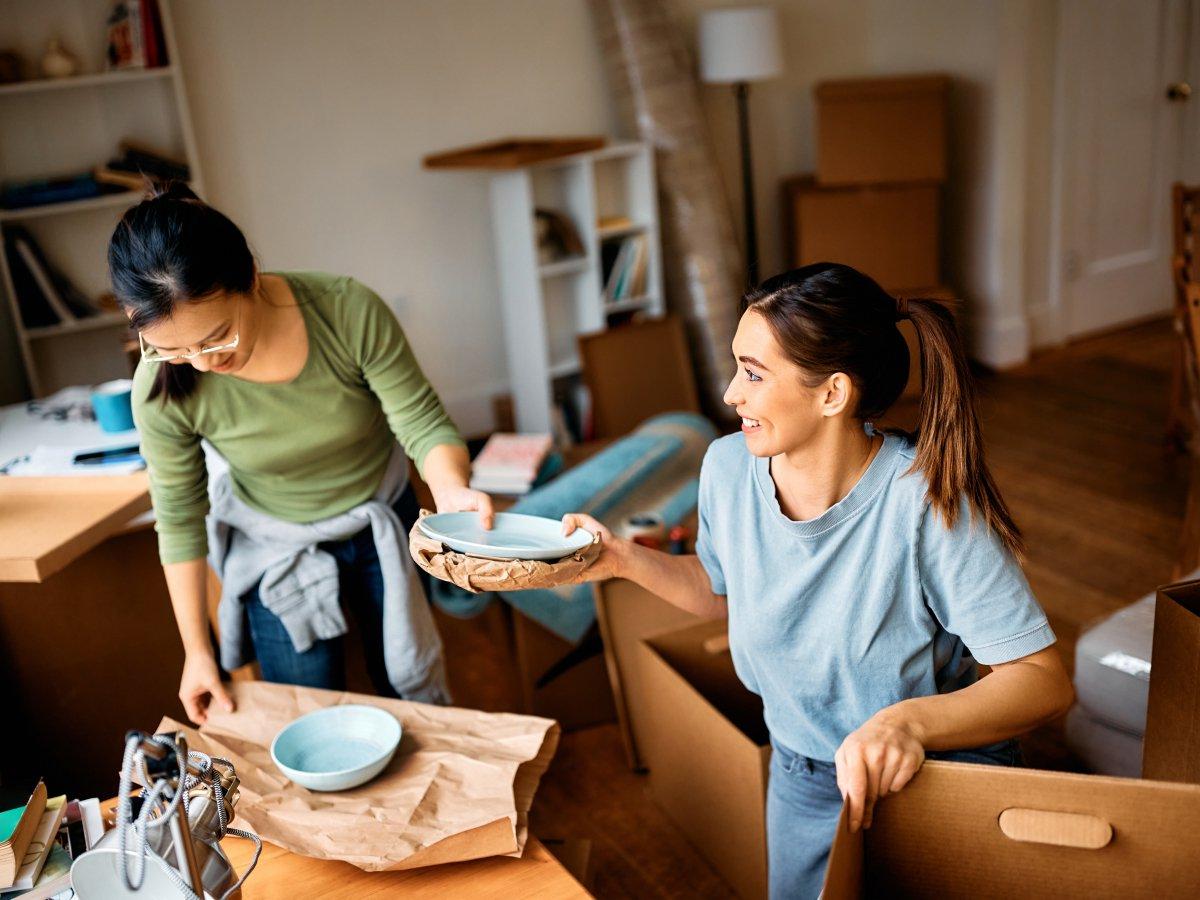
<point>740,46</point>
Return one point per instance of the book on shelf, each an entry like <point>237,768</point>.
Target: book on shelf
<point>140,167</point>
<point>45,296</point>
<point>572,411</point>
<point>613,223</point>
<point>44,191</point>
<point>135,36</point>
<point>625,275</point>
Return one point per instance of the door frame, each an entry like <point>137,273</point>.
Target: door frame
<point>1053,326</point>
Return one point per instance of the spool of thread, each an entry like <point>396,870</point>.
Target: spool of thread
<point>645,528</point>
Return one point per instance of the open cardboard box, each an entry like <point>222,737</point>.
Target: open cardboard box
<point>956,830</point>
<point>705,743</point>
<point>627,614</point>
<point>985,832</point>
<point>1171,751</point>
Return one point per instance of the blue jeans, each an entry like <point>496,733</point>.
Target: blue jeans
<point>803,807</point>
<point>360,585</point>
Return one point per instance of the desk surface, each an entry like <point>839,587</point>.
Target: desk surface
<point>281,875</point>
<point>47,523</point>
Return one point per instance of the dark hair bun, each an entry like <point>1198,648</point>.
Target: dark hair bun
<point>170,190</point>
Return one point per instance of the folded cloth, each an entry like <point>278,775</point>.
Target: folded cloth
<point>298,581</point>
<point>481,573</point>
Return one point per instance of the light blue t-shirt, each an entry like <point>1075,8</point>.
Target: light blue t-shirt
<point>870,603</point>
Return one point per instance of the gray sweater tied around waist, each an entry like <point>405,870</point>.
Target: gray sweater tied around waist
<point>298,581</point>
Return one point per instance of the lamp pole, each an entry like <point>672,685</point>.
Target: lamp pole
<point>742,92</point>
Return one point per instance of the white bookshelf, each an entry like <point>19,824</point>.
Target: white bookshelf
<point>547,306</point>
<point>53,127</point>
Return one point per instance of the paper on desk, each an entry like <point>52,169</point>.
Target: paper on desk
<point>459,787</point>
<point>52,460</point>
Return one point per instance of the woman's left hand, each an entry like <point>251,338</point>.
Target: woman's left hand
<point>464,499</point>
<point>876,760</point>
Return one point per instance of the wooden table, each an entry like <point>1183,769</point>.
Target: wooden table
<point>48,523</point>
<point>283,875</point>
<point>88,643</point>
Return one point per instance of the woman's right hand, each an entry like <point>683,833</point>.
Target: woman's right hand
<point>200,686</point>
<point>612,549</point>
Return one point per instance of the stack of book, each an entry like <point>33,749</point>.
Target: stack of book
<point>45,296</point>
<point>623,265</point>
<point>136,168</point>
<point>514,463</point>
<point>38,842</point>
<point>139,167</point>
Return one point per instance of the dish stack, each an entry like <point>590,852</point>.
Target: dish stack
<point>875,200</point>
<point>514,463</point>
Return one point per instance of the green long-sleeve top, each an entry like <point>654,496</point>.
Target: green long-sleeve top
<point>300,450</point>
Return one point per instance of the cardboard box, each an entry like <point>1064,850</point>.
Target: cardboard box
<point>990,832</point>
<point>890,232</point>
<point>876,130</point>
<point>559,680</point>
<point>707,748</point>
<point>627,613</point>
<point>624,393</point>
<point>1172,746</point>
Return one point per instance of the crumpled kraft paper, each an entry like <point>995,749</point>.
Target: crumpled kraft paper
<point>480,573</point>
<point>459,787</point>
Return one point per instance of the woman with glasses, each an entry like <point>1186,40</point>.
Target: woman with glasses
<point>301,384</point>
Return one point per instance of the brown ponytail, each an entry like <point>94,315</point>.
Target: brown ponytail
<point>949,440</point>
<point>831,318</point>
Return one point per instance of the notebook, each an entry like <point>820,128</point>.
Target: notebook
<point>17,827</point>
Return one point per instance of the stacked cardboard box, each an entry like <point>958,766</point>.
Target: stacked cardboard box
<point>875,200</point>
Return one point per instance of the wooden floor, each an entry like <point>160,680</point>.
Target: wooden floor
<point>1076,442</point>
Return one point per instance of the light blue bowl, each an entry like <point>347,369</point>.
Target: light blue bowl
<point>336,748</point>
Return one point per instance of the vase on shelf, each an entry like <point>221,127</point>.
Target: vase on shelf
<point>58,62</point>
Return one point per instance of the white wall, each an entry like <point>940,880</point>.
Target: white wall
<point>311,119</point>
<point>312,116</point>
<point>974,41</point>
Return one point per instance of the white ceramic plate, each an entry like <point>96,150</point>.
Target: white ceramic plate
<point>514,536</point>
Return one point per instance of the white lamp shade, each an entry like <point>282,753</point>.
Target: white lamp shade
<point>740,45</point>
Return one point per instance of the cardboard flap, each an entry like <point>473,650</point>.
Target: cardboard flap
<point>710,674</point>
<point>1172,747</point>
<point>944,835</point>
<point>1063,829</point>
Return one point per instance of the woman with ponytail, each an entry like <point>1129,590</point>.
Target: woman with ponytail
<point>864,574</point>
<point>301,383</point>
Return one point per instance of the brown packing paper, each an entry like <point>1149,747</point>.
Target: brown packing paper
<point>459,787</point>
<point>478,573</point>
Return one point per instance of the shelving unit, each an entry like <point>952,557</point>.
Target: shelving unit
<point>52,127</point>
<point>547,306</point>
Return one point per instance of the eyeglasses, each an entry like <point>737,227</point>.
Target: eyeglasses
<point>150,354</point>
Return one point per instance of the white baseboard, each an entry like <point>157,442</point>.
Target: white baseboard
<point>1044,327</point>
<point>999,342</point>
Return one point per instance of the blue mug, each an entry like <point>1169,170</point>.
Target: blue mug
<point>112,403</point>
